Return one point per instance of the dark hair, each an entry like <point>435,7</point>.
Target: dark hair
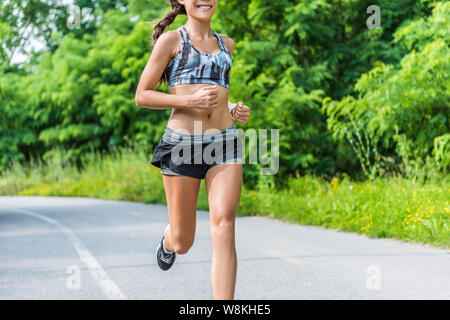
<point>159,27</point>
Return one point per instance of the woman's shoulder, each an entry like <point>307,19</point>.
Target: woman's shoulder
<point>228,42</point>
<point>170,36</point>
<point>170,40</point>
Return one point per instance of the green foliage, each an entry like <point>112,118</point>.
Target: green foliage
<point>404,106</point>
<point>17,127</point>
<point>80,97</point>
<point>338,92</point>
<point>21,19</point>
<point>292,54</point>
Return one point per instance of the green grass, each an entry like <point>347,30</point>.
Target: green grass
<point>386,208</point>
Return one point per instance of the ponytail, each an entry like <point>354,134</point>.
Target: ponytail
<point>158,28</point>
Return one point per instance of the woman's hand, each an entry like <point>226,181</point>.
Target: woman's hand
<point>205,97</point>
<point>241,112</point>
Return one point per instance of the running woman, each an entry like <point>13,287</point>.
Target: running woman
<point>196,63</point>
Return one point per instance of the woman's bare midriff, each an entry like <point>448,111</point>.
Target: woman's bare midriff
<point>218,118</point>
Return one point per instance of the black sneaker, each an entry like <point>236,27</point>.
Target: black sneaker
<point>165,260</point>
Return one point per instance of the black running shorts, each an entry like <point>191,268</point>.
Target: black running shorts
<point>192,155</point>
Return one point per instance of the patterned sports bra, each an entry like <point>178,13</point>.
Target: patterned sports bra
<point>191,66</point>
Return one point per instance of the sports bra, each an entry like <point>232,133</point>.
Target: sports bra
<point>191,66</point>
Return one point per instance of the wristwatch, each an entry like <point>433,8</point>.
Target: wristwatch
<point>230,108</point>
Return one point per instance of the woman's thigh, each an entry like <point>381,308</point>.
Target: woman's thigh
<point>223,185</point>
<point>182,195</point>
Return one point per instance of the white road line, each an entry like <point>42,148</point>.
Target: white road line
<point>108,286</point>
<point>134,213</point>
<point>284,257</point>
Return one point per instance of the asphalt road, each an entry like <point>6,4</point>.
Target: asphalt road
<point>79,248</point>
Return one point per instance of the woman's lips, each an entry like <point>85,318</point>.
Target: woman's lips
<point>204,8</point>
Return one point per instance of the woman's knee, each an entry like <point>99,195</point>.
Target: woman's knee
<point>181,243</point>
<point>222,222</point>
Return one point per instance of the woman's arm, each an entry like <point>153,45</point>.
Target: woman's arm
<point>230,46</point>
<point>146,96</point>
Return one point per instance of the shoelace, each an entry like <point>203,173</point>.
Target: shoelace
<point>167,259</point>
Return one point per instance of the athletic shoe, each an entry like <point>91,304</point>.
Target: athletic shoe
<point>165,260</point>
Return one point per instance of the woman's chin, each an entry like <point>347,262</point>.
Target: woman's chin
<point>204,16</point>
